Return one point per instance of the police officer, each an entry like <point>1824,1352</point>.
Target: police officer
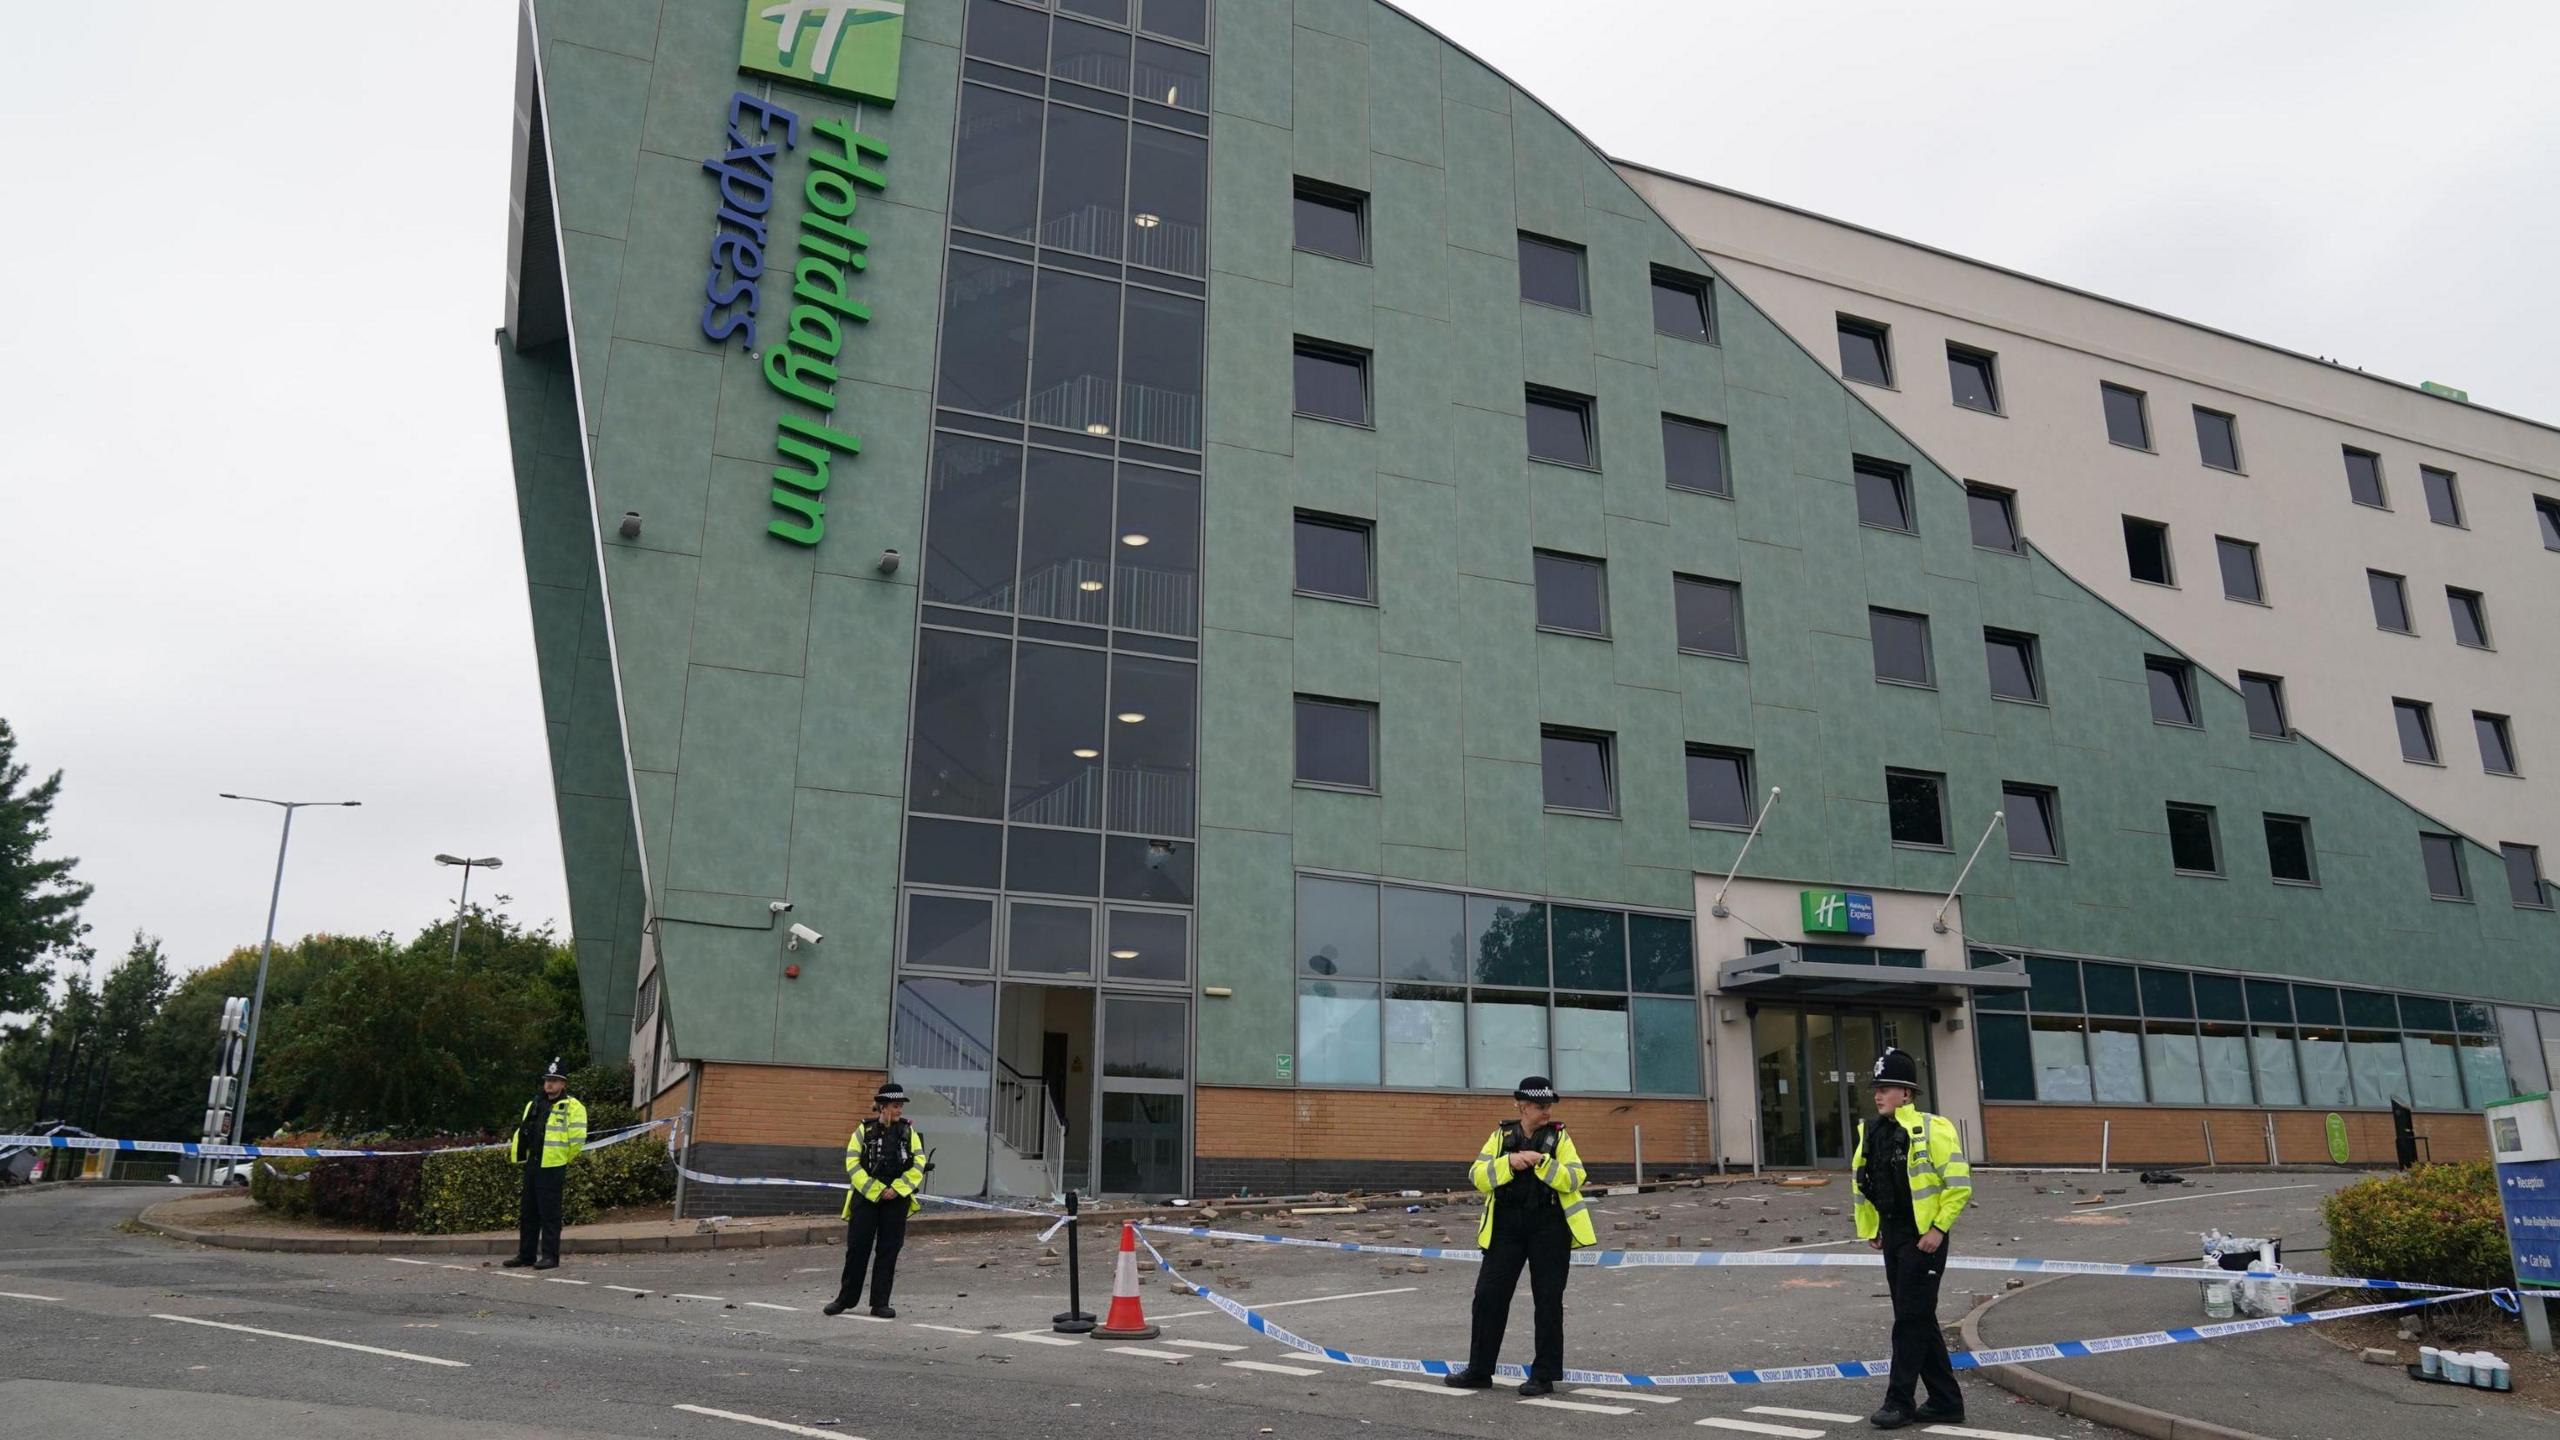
<point>1912,1184</point>
<point>1534,1215</point>
<point>548,1135</point>
<point>884,1158</point>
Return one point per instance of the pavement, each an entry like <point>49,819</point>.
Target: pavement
<point>109,1330</point>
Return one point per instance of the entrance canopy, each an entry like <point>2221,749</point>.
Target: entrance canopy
<point>1789,973</point>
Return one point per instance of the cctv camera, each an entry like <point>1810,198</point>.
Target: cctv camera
<point>802,935</point>
<point>778,907</point>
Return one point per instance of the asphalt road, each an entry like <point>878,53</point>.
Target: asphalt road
<point>108,1331</point>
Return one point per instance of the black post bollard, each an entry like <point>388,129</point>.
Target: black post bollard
<point>1075,1320</point>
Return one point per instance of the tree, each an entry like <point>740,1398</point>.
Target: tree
<point>39,901</point>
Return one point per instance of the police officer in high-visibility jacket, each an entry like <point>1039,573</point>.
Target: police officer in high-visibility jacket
<point>1912,1183</point>
<point>548,1135</point>
<point>1534,1215</point>
<point>884,1158</point>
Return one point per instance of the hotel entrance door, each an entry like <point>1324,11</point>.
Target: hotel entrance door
<point>1810,1064</point>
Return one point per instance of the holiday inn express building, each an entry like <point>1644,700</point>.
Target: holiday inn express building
<point>1255,589</point>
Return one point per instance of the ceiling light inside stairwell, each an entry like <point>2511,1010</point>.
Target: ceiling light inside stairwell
<point>1084,752</point>
<point>1097,428</point>
<point>1088,586</point>
<point>1132,717</point>
<point>1124,954</point>
<point>1145,221</point>
<point>1133,539</point>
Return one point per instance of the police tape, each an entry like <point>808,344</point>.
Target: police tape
<point>251,1152</point>
<point>699,1178</point>
<point>1262,1324</point>
<point>1709,1259</point>
<point>612,1137</point>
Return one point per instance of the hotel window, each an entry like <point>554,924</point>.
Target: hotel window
<point>2445,880</point>
<point>2173,690</point>
<point>1561,430</point>
<point>2289,850</point>
<point>1720,789</point>
<point>1335,557</point>
<point>1578,770</point>
<point>1337,743</point>
<point>1332,382</point>
<point>2524,876</point>
<point>2128,419</point>
<point>2264,695</point>
<point>2547,510</point>
<point>2240,578</point>
<point>2444,495</point>
<point>1901,643</point>
<point>1973,379</point>
<point>1694,456</point>
<point>1573,594</point>
<point>2417,725</point>
<point>1332,221</point>
<point>1915,803</point>
<point>2146,552</point>
<point>1683,307</point>
<point>2014,674</point>
<point>1884,495</point>
<point>2470,617</point>
<point>2034,821</point>
<point>2364,479</point>
<point>1994,513</point>
<point>2497,744</point>
<point>1551,273</point>
<point>1708,614</point>
<point>2195,844</point>
<point>2217,439</point>
<point>1866,352</point>
<point>2390,602</point>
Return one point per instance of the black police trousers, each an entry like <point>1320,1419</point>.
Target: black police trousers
<point>1919,1346</point>
<point>881,1228</point>
<point>538,1213</point>
<point>1546,1248</point>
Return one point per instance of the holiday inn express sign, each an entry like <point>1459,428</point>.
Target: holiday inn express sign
<point>851,49</point>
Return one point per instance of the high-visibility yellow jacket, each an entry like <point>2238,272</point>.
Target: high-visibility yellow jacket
<point>564,1132</point>
<point>1560,1171</point>
<point>876,1188</point>
<point>1941,1181</point>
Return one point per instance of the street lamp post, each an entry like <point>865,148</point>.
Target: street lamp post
<point>258,1002</point>
<point>461,906</point>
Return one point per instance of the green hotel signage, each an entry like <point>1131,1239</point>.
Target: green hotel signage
<point>850,48</point>
<point>1838,912</point>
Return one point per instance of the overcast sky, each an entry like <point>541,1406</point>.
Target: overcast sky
<point>257,528</point>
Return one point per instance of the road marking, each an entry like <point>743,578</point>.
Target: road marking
<point>316,1340</point>
<point>396,1260</point>
<point>680,1295</point>
<point>1631,1395</point>
<point>627,1289</point>
<point>785,1426</point>
<point>441,1265</point>
<point>1268,1368</point>
<point>1146,1353</point>
<point>956,1330</point>
<point>2001,1434</point>
<point>1206,1345</point>
<point>510,1275</point>
<point>1754,1427</point>
<point>1426,1389</point>
<point>2170,1200</point>
<point>1582,1405</point>
<point>1808,1245</point>
<point>1284,1304</point>
<point>556,1280</point>
<point>1037,1337</point>
<point>762,1305</point>
<point>1831,1416</point>
<point>20,1295</point>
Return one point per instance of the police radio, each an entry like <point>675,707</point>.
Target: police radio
<point>1543,1140</point>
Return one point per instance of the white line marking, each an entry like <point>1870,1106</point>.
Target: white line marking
<point>1037,1337</point>
<point>1426,1389</point>
<point>1582,1405</point>
<point>1205,1345</point>
<point>1830,1416</point>
<point>680,1295</point>
<point>21,1295</point>
<point>316,1340</point>
<point>1284,1304</point>
<point>784,1426</point>
<point>443,1266</point>
<point>1753,1427</point>
<point>1808,1245</point>
<point>556,1280</point>
<point>1993,1434</point>
<point>956,1330</point>
<point>1630,1395</point>
<point>2170,1200</point>
<point>627,1289</point>
<point>761,1305</point>
<point>396,1260</point>
<point>510,1275</point>
<point>1268,1368</point>
<point>1146,1353</point>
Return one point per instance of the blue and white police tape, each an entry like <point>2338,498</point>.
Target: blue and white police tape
<point>699,1178</point>
<point>249,1152</point>
<point>1774,1375</point>
<point>611,1137</point>
<point>1708,1259</point>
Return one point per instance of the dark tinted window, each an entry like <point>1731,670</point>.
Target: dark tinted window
<point>1168,202</point>
<point>2008,1058</point>
<point>2165,995</point>
<point>1056,862</point>
<point>2013,665</point>
<point>1659,953</point>
<point>2240,578</point>
<point>2316,1005</point>
<point>1719,787</point>
<point>1575,769</point>
<point>1156,564</point>
<point>2444,498</point>
<point>2218,998</point>
<point>2265,697</point>
<point>2191,840</point>
<point>972,513</point>
<point>1332,383</point>
<point>1075,353</point>
<point>962,686</point>
<point>1551,273</point>
<point>2364,478</point>
<point>2444,867</point>
<point>1335,742</point>
<point>1590,948</point>
<point>2497,747</point>
<point>2268,999</point>
<point>1138,869</point>
<point>2470,617</point>
<point>1916,804</point>
<point>2524,876</point>
<point>951,932</point>
<point>1115,11</point>
<point>1901,646</point>
<point>1693,456</point>
<point>1884,495</point>
<point>2548,512</point>
<point>1059,729</point>
<point>2146,551</point>
<point>1333,557</point>
<point>1866,352</point>
<point>1171,76</point>
<point>2417,730</point>
<point>2217,439</point>
<point>1560,428</point>
<point>2390,601</point>
<point>2127,423</point>
<point>1176,19</point>
<point>1154,709</point>
<point>1331,221</point>
<point>1995,517</point>
<point>1007,34</point>
<point>1090,55</point>
<point>1066,537</point>
<point>2173,691</point>
<point>1572,594</point>
<point>2289,848</point>
<point>2035,829</point>
<point>2110,989</point>
<point>995,180</point>
<point>986,334</point>
<point>1709,615</point>
<point>1971,379</point>
<point>1086,179</point>
<point>1683,307</point>
<point>954,852</point>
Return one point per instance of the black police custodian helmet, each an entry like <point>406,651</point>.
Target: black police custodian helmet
<point>555,1072</point>
<point>892,1093</point>
<point>1537,1088</point>
<point>1893,1067</point>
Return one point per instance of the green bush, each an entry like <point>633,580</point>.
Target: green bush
<point>2437,1225</point>
<point>478,1190</point>
<point>282,1186</point>
<point>606,1092</point>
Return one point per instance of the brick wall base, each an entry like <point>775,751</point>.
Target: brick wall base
<point>1287,1142</point>
<point>790,1162</point>
<point>2150,1135</point>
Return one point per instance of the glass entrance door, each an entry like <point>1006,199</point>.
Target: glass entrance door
<point>1812,1064</point>
<point>1146,1096</point>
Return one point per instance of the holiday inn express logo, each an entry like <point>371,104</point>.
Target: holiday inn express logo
<point>850,48</point>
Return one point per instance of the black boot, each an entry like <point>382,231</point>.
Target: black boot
<point>884,1312</point>
<point>516,1262</point>
<point>1532,1389</point>
<point>837,1306</point>
<point>547,1263</point>
<point>1933,1413</point>
<point>1893,1416</point>
<point>1466,1380</point>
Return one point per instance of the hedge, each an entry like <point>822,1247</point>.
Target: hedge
<point>458,1191</point>
<point>2436,1224</point>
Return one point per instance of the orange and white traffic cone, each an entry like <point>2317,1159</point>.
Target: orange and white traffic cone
<point>1126,1320</point>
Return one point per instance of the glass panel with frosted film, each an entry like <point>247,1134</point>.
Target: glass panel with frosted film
<point>2271,1057</point>
<point>1506,1039</point>
<point>2177,1066</point>
<point>2325,1080</point>
<point>2381,1072</point>
<point>1666,1059</point>
<point>2225,1049</point>
<point>1337,1033</point>
<point>2062,1060</point>
<point>2115,1061</point>
<point>1591,1045</point>
<point>2435,1081</point>
<point>2484,1071</point>
<point>1426,1037</point>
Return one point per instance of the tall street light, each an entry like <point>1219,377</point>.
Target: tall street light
<point>460,907</point>
<point>258,1003</point>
